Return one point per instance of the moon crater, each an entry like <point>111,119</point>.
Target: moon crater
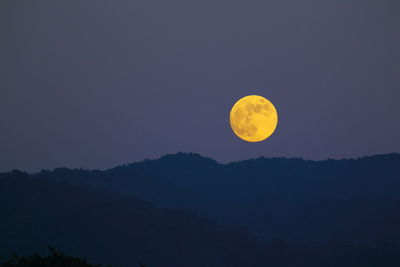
<point>253,118</point>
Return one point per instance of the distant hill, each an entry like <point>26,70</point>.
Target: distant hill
<point>109,228</point>
<point>161,212</point>
<point>294,199</point>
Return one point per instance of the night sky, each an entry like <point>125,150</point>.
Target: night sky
<point>95,84</point>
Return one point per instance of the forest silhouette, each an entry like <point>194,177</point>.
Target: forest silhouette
<point>187,210</point>
<point>56,258</point>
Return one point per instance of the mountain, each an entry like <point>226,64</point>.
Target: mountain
<point>108,228</point>
<point>297,200</point>
<point>185,210</point>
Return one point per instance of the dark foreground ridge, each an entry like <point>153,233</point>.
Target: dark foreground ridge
<point>187,210</point>
<point>56,258</point>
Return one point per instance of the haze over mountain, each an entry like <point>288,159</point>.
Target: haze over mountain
<point>273,197</point>
<point>163,212</point>
<point>107,228</point>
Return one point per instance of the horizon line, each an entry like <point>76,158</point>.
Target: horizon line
<point>207,158</point>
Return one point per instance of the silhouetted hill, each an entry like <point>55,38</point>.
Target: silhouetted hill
<point>307,213</point>
<point>109,228</point>
<point>294,199</point>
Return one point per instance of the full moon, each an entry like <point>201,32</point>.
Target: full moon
<point>253,118</point>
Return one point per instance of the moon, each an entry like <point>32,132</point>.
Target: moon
<point>253,118</point>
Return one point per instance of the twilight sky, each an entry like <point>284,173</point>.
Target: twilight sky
<point>94,84</point>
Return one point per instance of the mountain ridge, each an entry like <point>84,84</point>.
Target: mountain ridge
<point>243,193</point>
<point>192,155</point>
<point>299,202</point>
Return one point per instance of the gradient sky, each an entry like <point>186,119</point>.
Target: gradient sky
<point>94,84</point>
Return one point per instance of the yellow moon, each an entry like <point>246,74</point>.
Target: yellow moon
<point>253,118</point>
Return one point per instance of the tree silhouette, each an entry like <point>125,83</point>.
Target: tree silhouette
<point>55,259</point>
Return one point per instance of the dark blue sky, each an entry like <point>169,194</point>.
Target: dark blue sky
<point>97,83</point>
